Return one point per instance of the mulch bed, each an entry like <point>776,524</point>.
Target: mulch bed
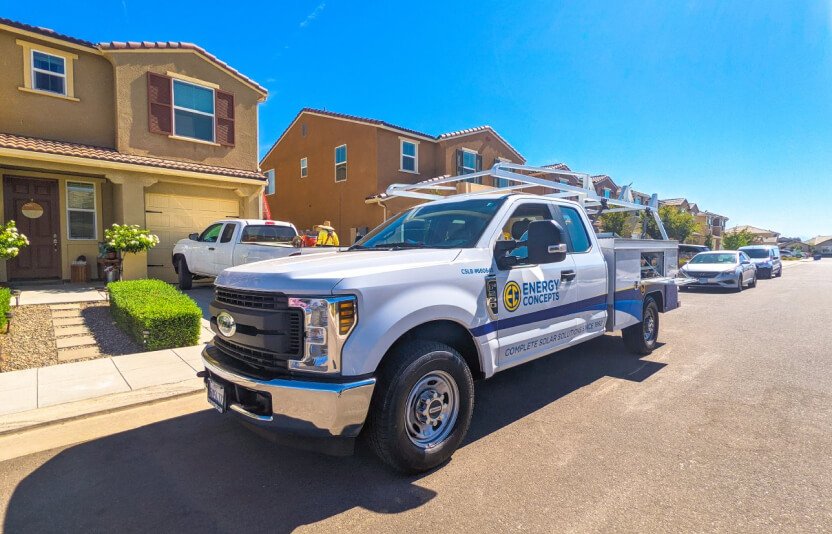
<point>31,340</point>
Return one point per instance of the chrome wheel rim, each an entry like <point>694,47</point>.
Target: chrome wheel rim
<point>649,326</point>
<point>432,409</point>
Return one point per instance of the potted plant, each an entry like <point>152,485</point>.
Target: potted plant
<point>129,238</point>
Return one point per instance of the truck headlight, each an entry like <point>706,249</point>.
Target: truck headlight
<point>327,323</point>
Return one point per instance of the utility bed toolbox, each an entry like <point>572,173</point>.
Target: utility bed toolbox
<point>638,268</point>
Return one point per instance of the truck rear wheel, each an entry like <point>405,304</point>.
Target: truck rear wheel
<point>186,278</point>
<point>422,407</point>
<point>641,338</point>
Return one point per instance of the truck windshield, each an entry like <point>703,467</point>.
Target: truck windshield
<point>444,225</point>
<point>715,257</point>
<point>756,252</point>
<point>271,233</point>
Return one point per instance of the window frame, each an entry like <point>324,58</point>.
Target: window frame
<point>584,224</point>
<point>233,227</point>
<point>344,163</point>
<point>34,70</point>
<point>94,212</point>
<point>205,232</point>
<point>402,155</point>
<point>271,182</point>
<point>174,107</point>
<point>304,167</point>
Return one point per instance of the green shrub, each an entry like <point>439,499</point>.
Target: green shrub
<point>5,305</point>
<point>171,318</point>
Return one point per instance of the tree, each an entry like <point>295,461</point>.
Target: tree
<point>617,223</point>
<point>709,241</point>
<point>735,240</point>
<point>129,238</point>
<point>11,241</point>
<point>678,224</point>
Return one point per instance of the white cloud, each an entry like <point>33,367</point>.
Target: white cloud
<point>312,16</point>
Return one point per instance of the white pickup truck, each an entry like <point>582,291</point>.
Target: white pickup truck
<point>233,242</point>
<point>388,336</point>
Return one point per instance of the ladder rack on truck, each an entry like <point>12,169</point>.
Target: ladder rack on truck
<point>635,266</point>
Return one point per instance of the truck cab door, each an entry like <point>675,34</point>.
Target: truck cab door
<point>591,273</point>
<point>224,249</point>
<point>201,261</point>
<point>535,314</point>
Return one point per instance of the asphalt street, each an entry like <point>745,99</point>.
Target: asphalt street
<point>726,427</point>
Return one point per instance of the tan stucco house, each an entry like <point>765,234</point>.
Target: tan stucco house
<point>325,165</point>
<point>159,134</point>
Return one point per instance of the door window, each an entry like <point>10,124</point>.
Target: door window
<point>210,234</point>
<point>228,233</point>
<point>575,228</point>
<point>517,226</point>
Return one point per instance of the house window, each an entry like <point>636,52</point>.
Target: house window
<point>341,163</point>
<point>48,73</point>
<point>409,156</point>
<point>303,168</point>
<point>607,192</point>
<point>193,111</point>
<point>80,207</point>
<point>270,182</point>
<point>469,162</point>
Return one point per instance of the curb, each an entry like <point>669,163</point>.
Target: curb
<point>62,413</point>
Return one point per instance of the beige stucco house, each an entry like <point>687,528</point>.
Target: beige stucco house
<point>159,134</point>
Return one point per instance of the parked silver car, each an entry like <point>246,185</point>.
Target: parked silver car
<point>766,258</point>
<point>723,268</point>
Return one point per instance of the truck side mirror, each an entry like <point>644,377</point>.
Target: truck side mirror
<point>545,242</point>
<point>501,254</point>
<point>194,236</point>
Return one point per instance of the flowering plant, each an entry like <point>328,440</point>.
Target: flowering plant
<point>11,241</point>
<point>129,238</point>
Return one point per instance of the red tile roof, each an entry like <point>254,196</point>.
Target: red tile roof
<point>477,129</point>
<point>166,45</point>
<point>132,45</point>
<point>33,144</point>
<point>366,120</point>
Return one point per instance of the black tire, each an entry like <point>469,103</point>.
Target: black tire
<point>387,424</point>
<point>186,278</point>
<point>739,288</point>
<point>753,282</point>
<point>780,272</point>
<point>636,338</point>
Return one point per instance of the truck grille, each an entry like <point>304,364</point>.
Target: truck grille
<point>258,358</point>
<point>252,299</point>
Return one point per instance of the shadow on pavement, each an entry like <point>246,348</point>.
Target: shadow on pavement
<point>202,472</point>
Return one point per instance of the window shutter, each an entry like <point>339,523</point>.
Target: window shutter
<point>458,162</point>
<point>224,109</point>
<point>479,163</point>
<point>159,103</point>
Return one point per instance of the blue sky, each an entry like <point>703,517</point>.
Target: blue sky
<point>725,103</point>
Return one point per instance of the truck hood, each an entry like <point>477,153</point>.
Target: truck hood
<point>320,273</point>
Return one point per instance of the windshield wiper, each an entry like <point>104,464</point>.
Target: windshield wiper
<point>399,246</point>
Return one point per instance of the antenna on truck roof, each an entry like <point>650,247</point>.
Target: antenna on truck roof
<point>518,177</point>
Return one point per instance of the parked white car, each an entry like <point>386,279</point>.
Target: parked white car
<point>721,268</point>
<point>232,242</point>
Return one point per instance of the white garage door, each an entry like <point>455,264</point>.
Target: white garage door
<point>173,217</point>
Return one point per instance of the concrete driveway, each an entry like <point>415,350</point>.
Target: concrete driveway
<point>727,427</point>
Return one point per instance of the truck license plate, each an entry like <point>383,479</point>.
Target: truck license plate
<point>703,280</point>
<point>216,395</point>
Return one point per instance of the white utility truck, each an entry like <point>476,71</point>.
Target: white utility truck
<point>388,336</point>
<point>233,242</point>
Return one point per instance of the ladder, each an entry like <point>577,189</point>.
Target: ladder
<point>519,177</point>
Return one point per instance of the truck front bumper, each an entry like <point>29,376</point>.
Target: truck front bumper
<point>305,408</point>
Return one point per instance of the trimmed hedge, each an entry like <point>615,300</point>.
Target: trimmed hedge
<point>171,318</point>
<point>5,305</point>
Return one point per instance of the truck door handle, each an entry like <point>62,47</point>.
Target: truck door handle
<point>567,276</point>
<point>210,248</point>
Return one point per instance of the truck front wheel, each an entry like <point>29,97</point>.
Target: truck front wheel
<point>641,338</point>
<point>186,279</point>
<point>422,407</point>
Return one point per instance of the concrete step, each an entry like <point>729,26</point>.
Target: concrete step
<point>65,314</point>
<point>75,341</point>
<point>68,321</point>
<point>72,331</point>
<point>68,355</point>
<point>59,307</point>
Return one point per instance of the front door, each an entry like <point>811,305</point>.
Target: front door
<point>33,204</point>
